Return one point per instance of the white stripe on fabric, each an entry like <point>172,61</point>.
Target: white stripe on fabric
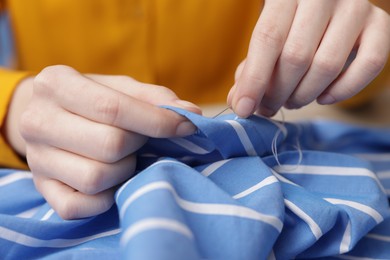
<point>30,241</point>
<point>155,223</point>
<point>48,214</point>
<point>375,157</point>
<point>213,167</point>
<point>383,175</point>
<point>14,177</point>
<point>346,240</point>
<point>123,187</point>
<point>140,192</point>
<point>204,208</point>
<point>378,237</point>
<point>28,213</point>
<point>169,162</point>
<point>330,170</point>
<point>315,229</point>
<point>190,146</point>
<point>283,179</point>
<point>327,170</point>
<point>359,206</point>
<point>243,136</point>
<point>267,181</point>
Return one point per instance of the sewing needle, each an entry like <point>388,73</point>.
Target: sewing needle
<point>221,112</point>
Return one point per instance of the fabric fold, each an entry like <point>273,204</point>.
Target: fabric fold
<point>237,189</point>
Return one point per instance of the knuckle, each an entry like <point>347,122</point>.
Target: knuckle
<point>31,124</point>
<point>34,162</point>
<point>374,64</point>
<point>299,99</point>
<point>68,208</point>
<point>239,70</point>
<point>92,181</point>
<point>360,7</point>
<point>71,207</point>
<point>328,65</point>
<point>107,108</point>
<point>47,77</point>
<point>347,92</point>
<point>269,36</point>
<point>162,127</point>
<point>157,130</point>
<point>37,182</point>
<point>296,55</point>
<point>259,80</point>
<point>113,146</point>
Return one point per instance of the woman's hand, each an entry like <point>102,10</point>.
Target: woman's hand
<point>301,49</point>
<point>82,132</point>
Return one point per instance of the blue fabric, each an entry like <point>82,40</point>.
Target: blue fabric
<point>224,193</point>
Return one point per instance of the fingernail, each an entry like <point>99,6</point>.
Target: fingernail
<point>184,103</point>
<point>185,128</point>
<point>188,106</point>
<point>326,99</point>
<point>245,107</point>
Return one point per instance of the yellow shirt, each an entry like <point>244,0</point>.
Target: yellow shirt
<point>190,46</point>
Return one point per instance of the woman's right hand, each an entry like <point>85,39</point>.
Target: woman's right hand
<point>82,132</point>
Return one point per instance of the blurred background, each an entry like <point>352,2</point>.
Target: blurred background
<point>5,41</point>
<point>375,114</point>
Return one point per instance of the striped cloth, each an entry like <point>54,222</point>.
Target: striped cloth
<point>237,189</point>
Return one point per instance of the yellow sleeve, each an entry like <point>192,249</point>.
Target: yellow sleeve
<point>8,81</point>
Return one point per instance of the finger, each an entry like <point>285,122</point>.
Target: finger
<point>371,57</point>
<point>108,106</point>
<point>298,52</point>
<point>236,77</point>
<point>239,70</point>
<point>82,174</point>
<point>156,95</point>
<point>266,44</point>
<point>81,136</point>
<point>71,204</point>
<point>332,54</point>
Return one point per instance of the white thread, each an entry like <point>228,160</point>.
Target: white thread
<point>274,145</point>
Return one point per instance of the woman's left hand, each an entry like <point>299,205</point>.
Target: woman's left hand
<point>300,51</point>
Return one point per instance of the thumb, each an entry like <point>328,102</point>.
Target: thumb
<point>149,93</point>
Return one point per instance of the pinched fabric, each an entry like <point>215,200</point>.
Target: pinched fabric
<point>237,189</point>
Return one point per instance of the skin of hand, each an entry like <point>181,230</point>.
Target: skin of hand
<point>301,51</point>
<point>82,133</point>
<point>18,104</point>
